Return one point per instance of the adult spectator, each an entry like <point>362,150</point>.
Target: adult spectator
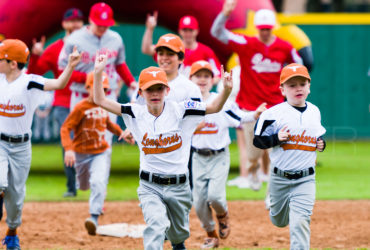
<point>42,61</point>
<point>262,58</point>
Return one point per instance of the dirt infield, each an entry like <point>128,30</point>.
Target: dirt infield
<point>335,224</point>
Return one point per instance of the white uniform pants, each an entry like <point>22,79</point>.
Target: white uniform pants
<point>166,211</point>
<point>15,163</point>
<point>292,202</point>
<point>209,190</point>
<point>92,171</point>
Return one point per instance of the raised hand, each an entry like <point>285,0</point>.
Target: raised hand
<point>227,79</point>
<point>151,20</point>
<point>74,58</point>
<point>100,62</point>
<point>38,47</point>
<point>259,110</point>
<point>228,7</point>
<point>284,134</point>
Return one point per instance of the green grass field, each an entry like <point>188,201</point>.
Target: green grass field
<point>343,172</point>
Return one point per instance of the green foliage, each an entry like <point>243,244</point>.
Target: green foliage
<point>342,173</point>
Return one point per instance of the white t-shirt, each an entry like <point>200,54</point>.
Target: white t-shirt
<point>215,134</point>
<point>164,141</point>
<point>18,102</point>
<point>305,127</point>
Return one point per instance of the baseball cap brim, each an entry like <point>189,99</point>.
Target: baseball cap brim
<point>168,46</point>
<point>294,75</point>
<point>152,83</point>
<point>99,22</point>
<point>265,26</point>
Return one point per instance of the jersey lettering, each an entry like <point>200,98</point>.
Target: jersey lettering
<point>158,146</point>
<point>12,110</point>
<point>261,65</point>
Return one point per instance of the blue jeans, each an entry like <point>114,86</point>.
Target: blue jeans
<point>60,114</point>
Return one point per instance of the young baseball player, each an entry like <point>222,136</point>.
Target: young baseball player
<point>163,130</point>
<point>211,158</point>
<point>20,95</point>
<point>194,51</point>
<point>294,132</point>
<point>88,149</point>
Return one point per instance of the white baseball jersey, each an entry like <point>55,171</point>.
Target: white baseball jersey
<point>215,134</point>
<point>164,141</point>
<point>181,89</point>
<point>299,152</point>
<point>18,102</point>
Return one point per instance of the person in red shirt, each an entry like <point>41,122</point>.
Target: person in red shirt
<point>262,58</point>
<point>194,50</point>
<point>42,61</point>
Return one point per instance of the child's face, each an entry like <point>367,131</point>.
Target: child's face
<point>168,60</point>
<point>203,78</point>
<point>4,66</point>
<point>154,95</point>
<point>188,35</point>
<point>296,91</point>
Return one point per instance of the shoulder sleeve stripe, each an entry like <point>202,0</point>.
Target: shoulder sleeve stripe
<point>127,110</point>
<point>195,99</point>
<point>35,85</point>
<point>194,112</point>
<point>233,115</point>
<point>265,124</point>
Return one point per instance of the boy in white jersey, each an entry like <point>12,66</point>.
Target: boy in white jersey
<point>20,95</point>
<point>163,130</point>
<point>211,158</point>
<point>293,129</point>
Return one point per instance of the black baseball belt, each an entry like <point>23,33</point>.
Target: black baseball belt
<point>162,179</point>
<point>207,152</point>
<point>14,138</point>
<point>294,175</point>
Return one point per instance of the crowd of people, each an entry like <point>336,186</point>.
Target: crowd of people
<point>180,126</point>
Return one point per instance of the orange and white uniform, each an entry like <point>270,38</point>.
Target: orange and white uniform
<point>89,123</point>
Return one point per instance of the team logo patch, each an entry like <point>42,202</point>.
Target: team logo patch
<point>191,105</point>
<point>294,68</point>
<point>187,21</point>
<point>168,38</point>
<point>154,73</point>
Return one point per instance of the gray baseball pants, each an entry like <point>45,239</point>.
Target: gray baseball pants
<point>209,178</point>
<point>166,212</point>
<point>15,163</point>
<point>92,171</point>
<point>292,203</point>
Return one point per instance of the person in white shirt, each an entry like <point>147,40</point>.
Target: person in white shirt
<point>163,130</point>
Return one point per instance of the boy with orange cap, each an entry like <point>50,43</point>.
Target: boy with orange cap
<point>163,130</point>
<point>211,159</point>
<point>87,152</point>
<point>20,95</point>
<point>294,132</point>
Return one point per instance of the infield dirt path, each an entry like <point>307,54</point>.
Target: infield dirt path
<point>335,224</point>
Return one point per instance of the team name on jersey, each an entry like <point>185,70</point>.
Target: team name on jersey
<point>264,65</point>
<point>298,140</point>
<point>159,145</point>
<point>96,113</point>
<point>209,128</point>
<point>12,110</point>
<point>87,58</point>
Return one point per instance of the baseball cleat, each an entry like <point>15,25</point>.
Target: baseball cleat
<point>91,225</point>
<point>12,242</point>
<point>224,225</point>
<point>210,243</point>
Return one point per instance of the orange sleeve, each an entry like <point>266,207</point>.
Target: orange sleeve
<point>71,123</point>
<point>114,127</point>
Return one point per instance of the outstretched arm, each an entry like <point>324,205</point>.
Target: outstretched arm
<point>220,100</point>
<point>218,29</point>
<point>147,46</point>
<point>99,95</point>
<point>62,80</point>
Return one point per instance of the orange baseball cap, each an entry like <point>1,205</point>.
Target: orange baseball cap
<point>188,22</point>
<point>14,49</point>
<point>171,41</point>
<point>90,80</point>
<point>199,65</point>
<point>292,70</point>
<point>152,76</point>
<point>102,14</point>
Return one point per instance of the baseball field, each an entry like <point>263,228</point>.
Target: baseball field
<point>341,218</point>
